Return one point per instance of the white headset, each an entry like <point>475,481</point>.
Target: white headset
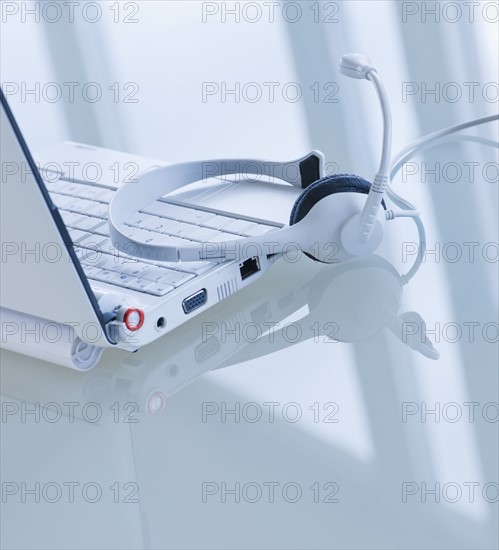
<point>331,220</point>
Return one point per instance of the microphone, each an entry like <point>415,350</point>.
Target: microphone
<point>363,232</point>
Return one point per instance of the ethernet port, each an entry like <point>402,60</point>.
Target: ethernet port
<point>249,267</point>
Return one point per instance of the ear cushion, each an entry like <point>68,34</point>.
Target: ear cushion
<point>338,183</point>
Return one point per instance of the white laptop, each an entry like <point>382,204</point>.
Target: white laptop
<point>58,261</point>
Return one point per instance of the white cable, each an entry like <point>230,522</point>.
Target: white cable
<point>378,187</point>
<point>392,214</point>
<point>441,133</point>
<point>361,234</point>
<point>384,167</point>
<point>406,152</point>
<point>409,209</point>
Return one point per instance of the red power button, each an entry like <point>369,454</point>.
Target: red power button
<point>133,318</point>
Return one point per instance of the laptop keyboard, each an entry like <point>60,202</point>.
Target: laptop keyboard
<point>83,208</point>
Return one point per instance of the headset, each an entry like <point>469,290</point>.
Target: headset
<point>331,214</point>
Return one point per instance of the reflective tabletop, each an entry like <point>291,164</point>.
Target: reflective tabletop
<point>325,406</point>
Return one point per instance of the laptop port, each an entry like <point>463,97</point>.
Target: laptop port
<point>249,267</point>
<point>161,323</point>
<point>195,301</point>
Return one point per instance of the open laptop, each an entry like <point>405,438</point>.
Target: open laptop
<point>58,261</point>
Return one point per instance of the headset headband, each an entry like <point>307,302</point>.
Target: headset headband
<point>154,184</point>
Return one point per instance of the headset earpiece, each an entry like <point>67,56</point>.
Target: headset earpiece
<point>325,187</point>
<point>329,185</point>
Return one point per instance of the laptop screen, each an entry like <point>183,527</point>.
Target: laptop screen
<point>41,275</point>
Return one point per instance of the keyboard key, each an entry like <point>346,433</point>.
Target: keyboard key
<point>172,240</point>
<point>93,241</point>
<point>221,237</point>
<point>106,196</point>
<point>103,229</point>
<point>52,181</point>
<point>137,233</point>
<point>80,253</point>
<point>61,201</point>
<point>87,255</point>
<point>198,217</point>
<point>106,276</point>
<point>154,273</point>
<point>140,218</point>
<point>88,223</point>
<point>77,235</point>
<point>148,237</point>
<point>97,209</point>
<point>109,262</point>
<point>123,279</point>
<point>175,266</point>
<point>155,209</point>
<point>237,226</point>
<point>65,188</point>
<point>107,247</point>
<point>160,225</point>
<point>90,270</point>
<point>179,229</point>
<point>91,192</point>
<point>174,278</point>
<point>258,229</point>
<point>138,269</point>
<point>177,212</point>
<point>124,264</point>
<point>203,234</point>
<point>82,206</point>
<point>218,222</point>
<point>70,218</point>
<point>73,189</point>
<point>167,210</point>
<point>138,284</point>
<point>158,289</point>
<point>195,267</point>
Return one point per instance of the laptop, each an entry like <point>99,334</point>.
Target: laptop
<point>58,261</point>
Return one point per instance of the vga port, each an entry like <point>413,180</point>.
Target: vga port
<point>195,301</point>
